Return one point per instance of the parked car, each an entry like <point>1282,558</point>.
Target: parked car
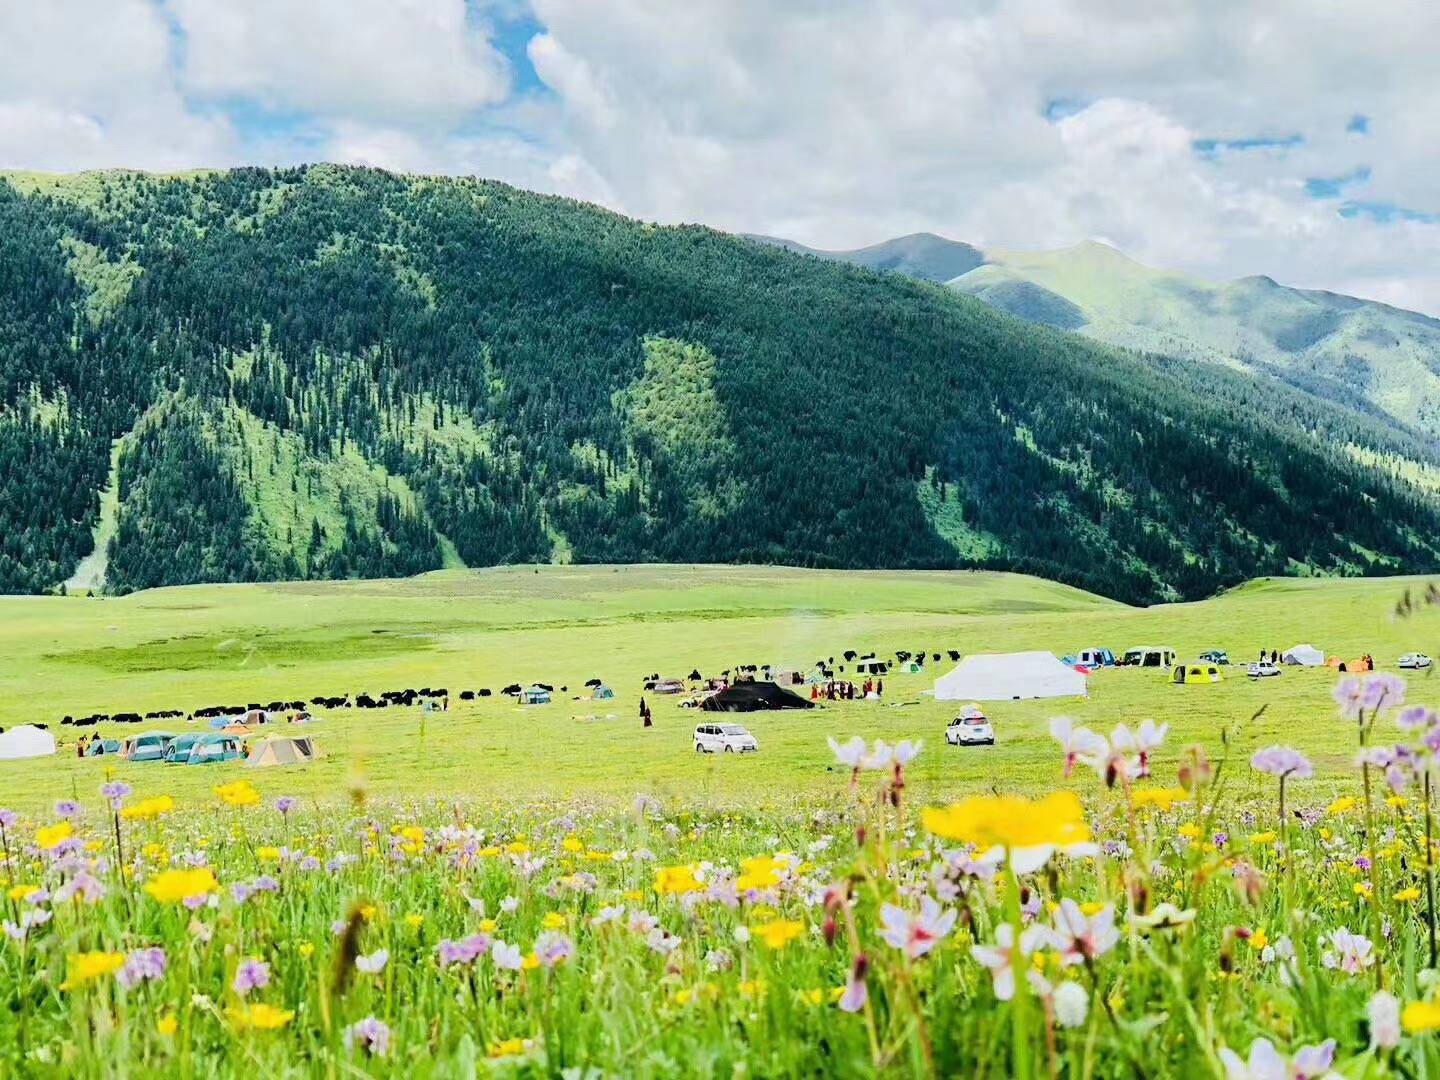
<point>1215,656</point>
<point>726,738</point>
<point>970,728</point>
<point>1414,661</point>
<point>1262,670</point>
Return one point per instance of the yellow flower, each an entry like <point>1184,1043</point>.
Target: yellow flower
<point>237,793</point>
<point>487,925</point>
<point>596,855</point>
<point>1011,821</point>
<point>1340,805</point>
<point>1158,797</point>
<point>1262,838</point>
<point>811,997</point>
<point>1092,907</point>
<point>1404,896</point>
<point>149,808</point>
<point>1325,834</point>
<point>1259,939</point>
<point>683,995</point>
<point>752,988</point>
<point>259,1016</point>
<point>530,962</point>
<point>367,912</point>
<point>19,892</point>
<point>553,920</point>
<point>507,1048</point>
<point>1395,802</point>
<point>81,968</point>
<point>1362,888</point>
<point>1189,830</point>
<point>48,836</point>
<point>760,872</point>
<point>572,845</point>
<point>777,933</point>
<point>167,1024</point>
<point>305,948</point>
<point>173,886</point>
<point>268,853</point>
<point>677,879</point>
<point>414,919</point>
<point>517,848</point>
<point>1420,1016</point>
<point>488,852</point>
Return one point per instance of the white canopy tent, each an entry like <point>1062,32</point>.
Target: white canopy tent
<point>1305,655</point>
<point>26,741</point>
<point>1007,676</point>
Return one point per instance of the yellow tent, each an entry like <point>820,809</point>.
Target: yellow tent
<point>1195,674</point>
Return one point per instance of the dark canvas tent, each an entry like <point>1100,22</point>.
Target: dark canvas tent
<point>754,696</point>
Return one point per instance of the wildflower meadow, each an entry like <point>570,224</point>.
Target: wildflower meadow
<point>1127,923</point>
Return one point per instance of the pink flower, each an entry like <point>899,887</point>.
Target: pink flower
<point>1078,744</point>
<point>1083,937</point>
<point>918,933</point>
<point>1352,953</point>
<point>1282,761</point>
<point>1267,1063</point>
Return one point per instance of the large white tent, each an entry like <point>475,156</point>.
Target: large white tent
<point>24,741</point>
<point>1007,676</point>
<point>1306,655</point>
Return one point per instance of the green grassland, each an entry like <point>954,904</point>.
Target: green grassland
<point>200,645</point>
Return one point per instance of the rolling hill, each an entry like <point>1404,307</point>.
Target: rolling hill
<point>1338,347</point>
<point>327,372</point>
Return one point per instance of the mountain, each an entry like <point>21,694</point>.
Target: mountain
<point>920,255</point>
<point>338,372</point>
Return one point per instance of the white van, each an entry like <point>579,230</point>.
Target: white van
<point>723,738</point>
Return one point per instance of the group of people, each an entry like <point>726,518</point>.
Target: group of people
<point>845,690</point>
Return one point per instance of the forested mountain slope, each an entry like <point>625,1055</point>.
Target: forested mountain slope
<point>332,371</point>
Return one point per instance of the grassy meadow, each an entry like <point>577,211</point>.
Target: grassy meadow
<point>498,891</point>
<point>194,646</point>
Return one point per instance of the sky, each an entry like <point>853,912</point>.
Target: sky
<point>1293,138</point>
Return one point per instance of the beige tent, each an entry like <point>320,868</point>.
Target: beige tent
<point>283,750</point>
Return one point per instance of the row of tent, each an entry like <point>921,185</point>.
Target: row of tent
<point>29,741</point>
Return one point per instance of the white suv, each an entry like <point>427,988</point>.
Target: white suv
<point>970,728</point>
<point>727,738</point>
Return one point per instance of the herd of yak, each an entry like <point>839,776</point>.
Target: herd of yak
<point>411,697</point>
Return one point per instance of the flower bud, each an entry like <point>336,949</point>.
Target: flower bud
<point>827,929</point>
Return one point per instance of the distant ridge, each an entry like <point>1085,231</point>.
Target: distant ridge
<point>919,255</point>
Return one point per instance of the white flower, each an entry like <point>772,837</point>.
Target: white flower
<point>1384,1013</point>
<point>850,753</point>
<point>998,957</point>
<point>879,757</point>
<point>1071,1002</point>
<point>1079,744</point>
<point>374,963</point>
<point>1266,1063</point>
<point>905,751</point>
<point>509,904</point>
<point>607,915</point>
<point>506,956</point>
<point>1351,953</point>
<point>1082,936</point>
<point>742,933</point>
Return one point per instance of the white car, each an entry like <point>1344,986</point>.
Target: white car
<point>970,728</point>
<point>723,738</point>
<point>1414,661</point>
<point>1263,669</point>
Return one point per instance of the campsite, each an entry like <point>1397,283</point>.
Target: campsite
<point>616,628</point>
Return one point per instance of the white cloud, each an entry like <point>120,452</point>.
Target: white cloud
<point>835,122</point>
<point>417,60</point>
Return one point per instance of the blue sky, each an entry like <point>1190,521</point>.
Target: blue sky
<point>1261,139</point>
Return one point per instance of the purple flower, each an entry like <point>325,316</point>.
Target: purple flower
<point>1349,694</point>
<point>286,803</point>
<point>1282,761</point>
<point>7,818</point>
<point>464,951</point>
<point>915,933</point>
<point>265,883</point>
<point>551,948</point>
<point>252,974</point>
<point>66,808</point>
<point>370,1034</point>
<point>1383,690</point>
<point>140,965</point>
<point>374,963</point>
<point>1416,716</point>
<point>116,791</point>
